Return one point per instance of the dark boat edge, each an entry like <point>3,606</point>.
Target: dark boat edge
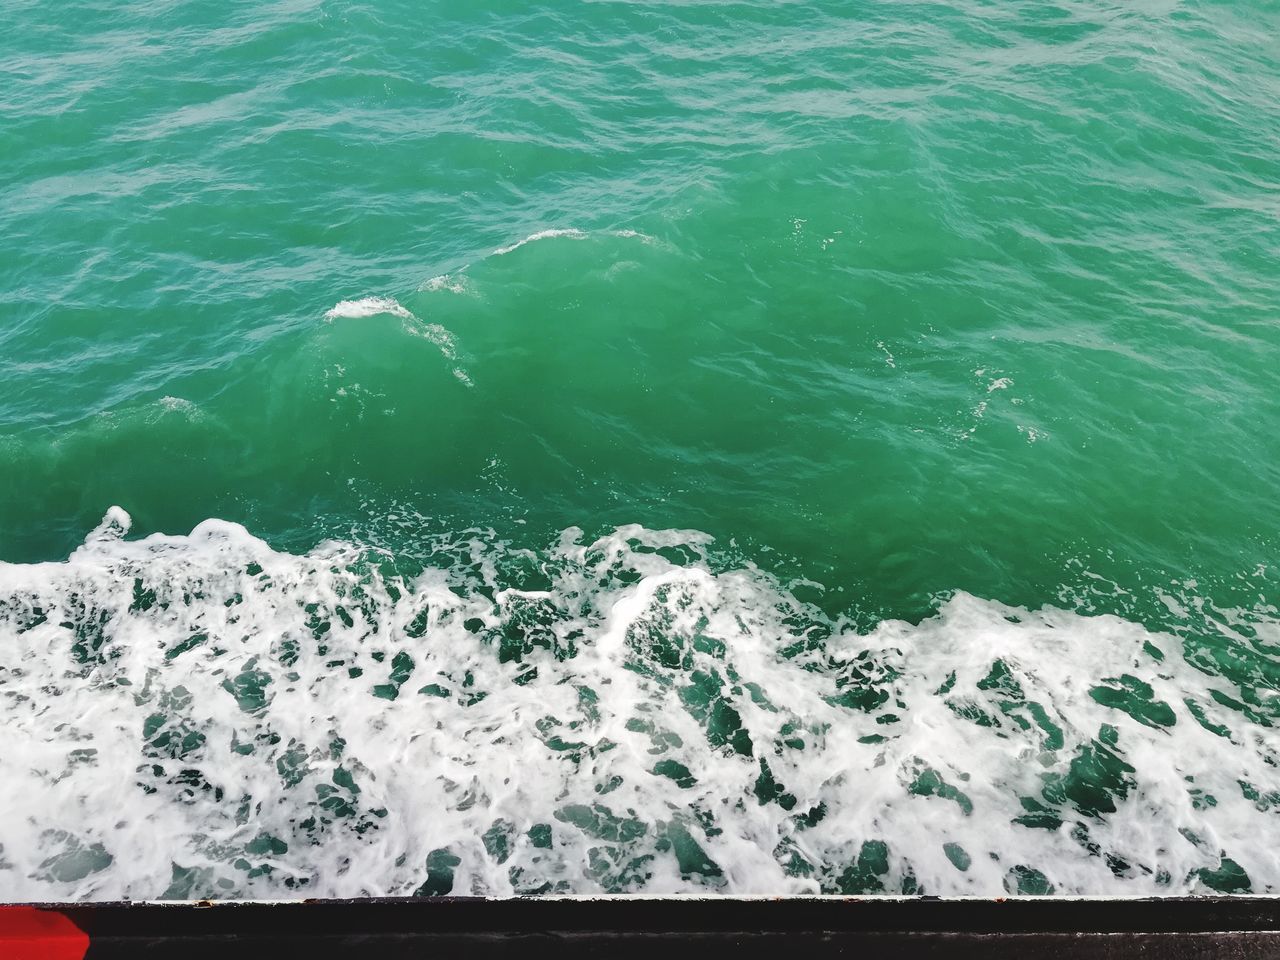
<point>1172,928</point>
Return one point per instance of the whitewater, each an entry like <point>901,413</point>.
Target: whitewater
<point>201,716</point>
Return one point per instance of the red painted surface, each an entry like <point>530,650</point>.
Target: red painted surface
<point>30,934</point>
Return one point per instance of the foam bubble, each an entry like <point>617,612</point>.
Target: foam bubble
<point>202,715</point>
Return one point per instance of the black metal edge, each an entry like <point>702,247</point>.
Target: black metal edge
<point>463,917</point>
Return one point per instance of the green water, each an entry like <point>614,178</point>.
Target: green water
<point>902,298</point>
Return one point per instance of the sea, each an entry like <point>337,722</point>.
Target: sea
<point>639,447</point>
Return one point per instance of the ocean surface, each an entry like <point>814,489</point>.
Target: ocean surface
<point>639,447</point>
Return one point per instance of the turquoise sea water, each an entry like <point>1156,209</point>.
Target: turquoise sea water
<point>639,447</point>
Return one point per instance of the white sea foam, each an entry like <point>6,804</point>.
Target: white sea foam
<point>366,307</point>
<point>572,233</point>
<point>202,715</point>
<point>433,333</point>
<point>445,282</point>
<point>436,334</point>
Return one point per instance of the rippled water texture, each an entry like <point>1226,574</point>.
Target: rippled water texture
<point>736,447</point>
